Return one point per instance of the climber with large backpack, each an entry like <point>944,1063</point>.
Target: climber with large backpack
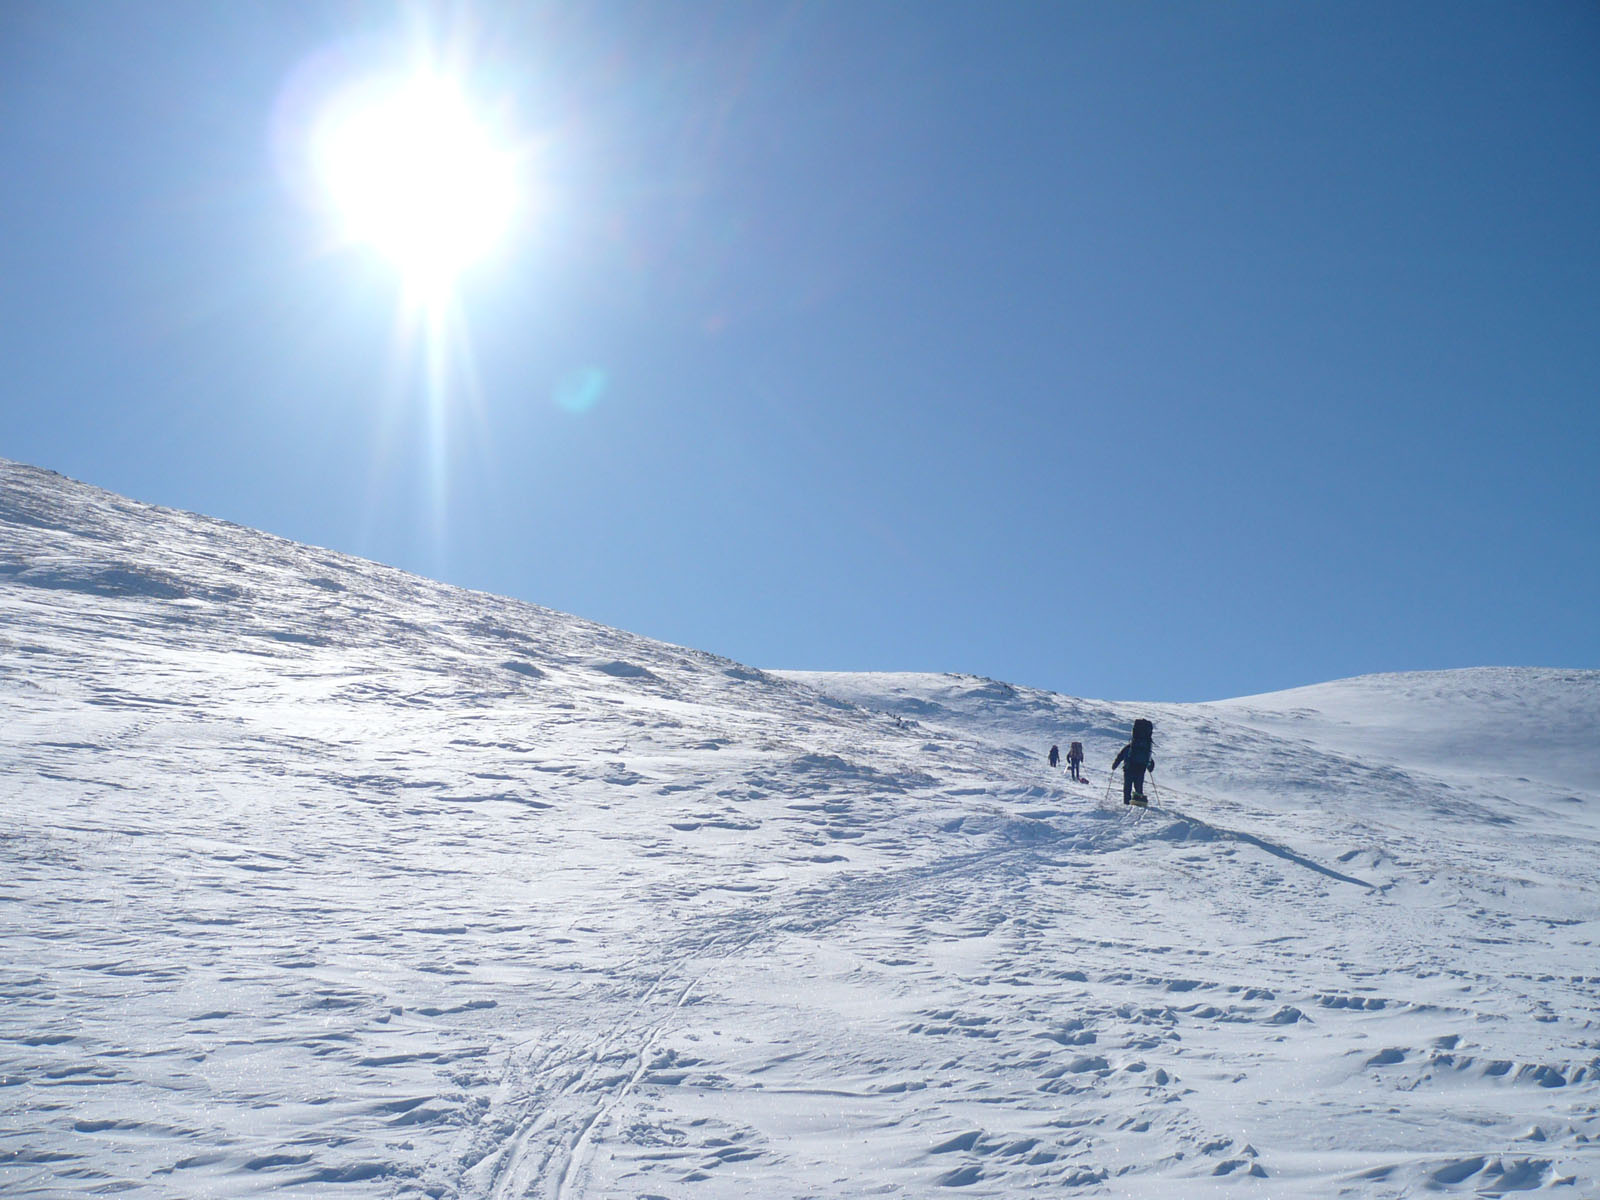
<point>1135,759</point>
<point>1075,759</point>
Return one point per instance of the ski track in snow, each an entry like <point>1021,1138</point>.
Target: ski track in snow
<point>322,879</point>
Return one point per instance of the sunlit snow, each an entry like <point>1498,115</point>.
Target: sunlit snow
<point>323,879</point>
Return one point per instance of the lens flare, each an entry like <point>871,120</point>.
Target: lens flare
<point>581,390</point>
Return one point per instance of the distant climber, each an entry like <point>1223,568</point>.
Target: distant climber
<point>1075,759</point>
<point>1055,756</point>
<point>1135,759</point>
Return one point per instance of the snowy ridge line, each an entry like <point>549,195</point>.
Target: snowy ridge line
<point>317,874</point>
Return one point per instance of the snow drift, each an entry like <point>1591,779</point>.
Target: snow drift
<point>323,879</point>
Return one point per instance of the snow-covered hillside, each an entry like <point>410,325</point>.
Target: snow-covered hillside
<point>322,879</point>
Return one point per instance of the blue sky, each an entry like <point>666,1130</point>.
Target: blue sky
<point>1166,351</point>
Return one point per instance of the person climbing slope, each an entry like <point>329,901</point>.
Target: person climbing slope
<point>1075,759</point>
<point>1055,756</point>
<point>1135,759</point>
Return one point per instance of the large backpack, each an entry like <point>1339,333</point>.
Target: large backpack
<point>1139,747</point>
<point>1076,751</point>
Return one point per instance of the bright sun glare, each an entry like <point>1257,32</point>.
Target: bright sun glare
<point>411,170</point>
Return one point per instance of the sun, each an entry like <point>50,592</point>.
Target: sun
<point>408,168</point>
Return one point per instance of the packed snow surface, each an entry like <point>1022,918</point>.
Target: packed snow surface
<point>317,878</point>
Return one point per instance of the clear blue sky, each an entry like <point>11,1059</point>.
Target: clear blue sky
<point>1167,351</point>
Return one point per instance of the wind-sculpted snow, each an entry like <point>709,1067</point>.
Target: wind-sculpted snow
<point>319,878</point>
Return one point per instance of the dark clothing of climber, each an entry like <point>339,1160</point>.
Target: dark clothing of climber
<point>1134,763</point>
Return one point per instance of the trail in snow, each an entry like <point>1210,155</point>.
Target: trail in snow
<point>313,873</point>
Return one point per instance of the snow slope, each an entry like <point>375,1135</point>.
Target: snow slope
<point>317,878</point>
